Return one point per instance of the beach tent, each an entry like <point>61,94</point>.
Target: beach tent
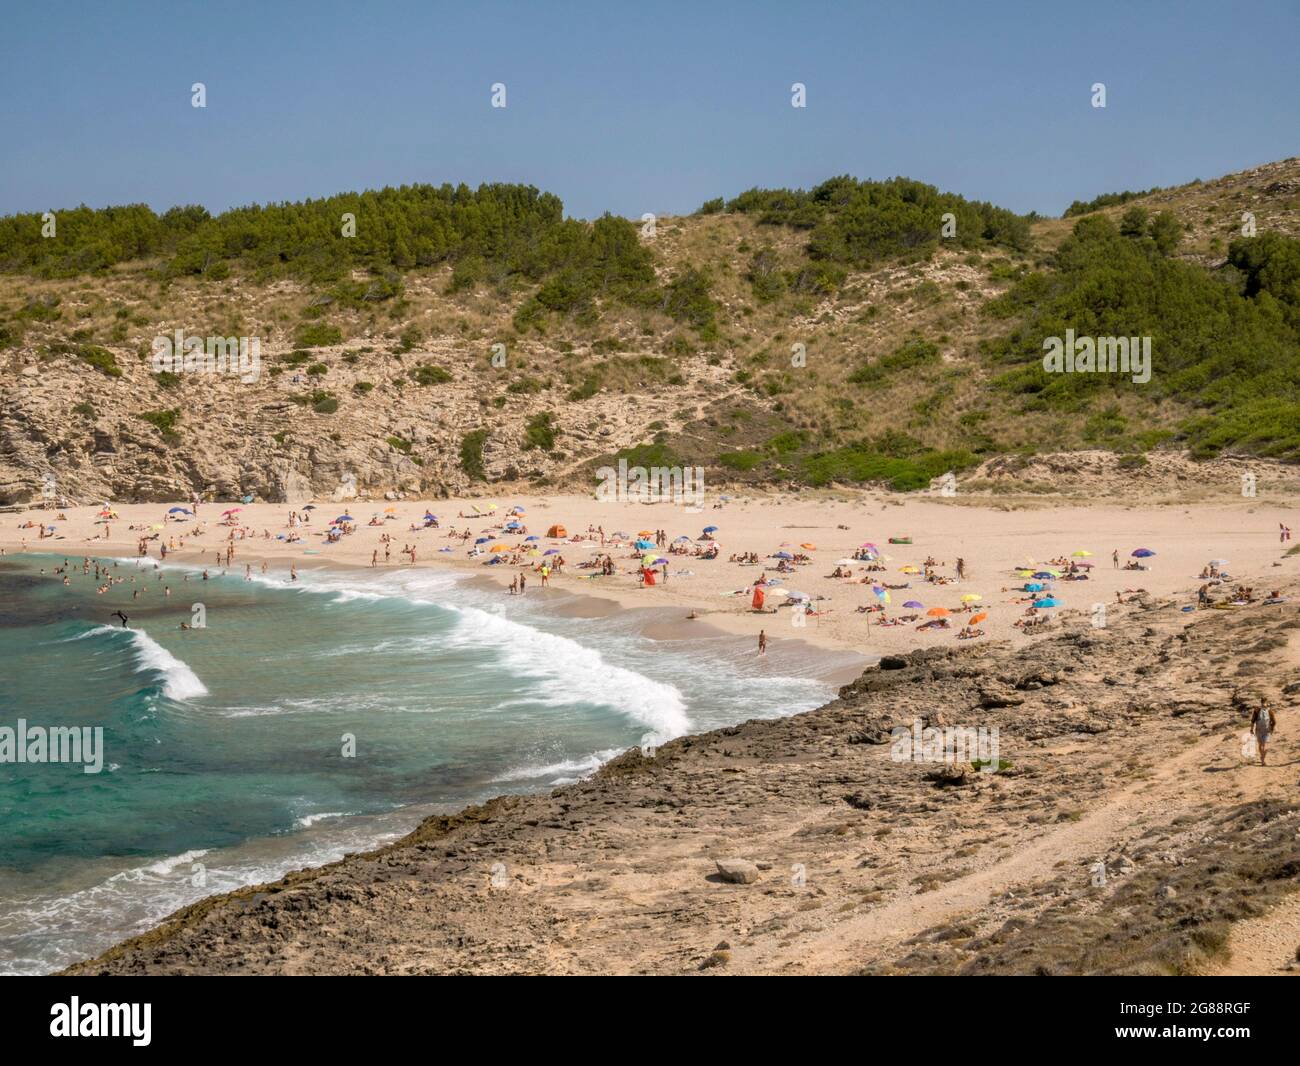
<point>558,531</point>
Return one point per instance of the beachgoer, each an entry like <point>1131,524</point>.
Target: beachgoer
<point>1262,723</point>
<point>762,642</point>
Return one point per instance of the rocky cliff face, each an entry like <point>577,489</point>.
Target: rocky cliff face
<point>69,429</point>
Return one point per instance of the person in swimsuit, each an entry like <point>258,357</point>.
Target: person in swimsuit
<point>1262,724</point>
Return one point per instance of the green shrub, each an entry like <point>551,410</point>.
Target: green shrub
<point>540,432</point>
<point>317,335</point>
<point>100,358</point>
<point>427,374</point>
<point>164,422</point>
<point>471,454</point>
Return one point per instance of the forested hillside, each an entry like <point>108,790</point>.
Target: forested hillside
<point>431,337</point>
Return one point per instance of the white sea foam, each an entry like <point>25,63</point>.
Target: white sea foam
<point>568,672</point>
<point>563,772</point>
<point>179,682</point>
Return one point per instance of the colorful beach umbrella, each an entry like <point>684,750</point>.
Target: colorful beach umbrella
<point>976,619</point>
<point>499,548</point>
<point>710,529</point>
<point>1143,553</point>
<point>1047,601</point>
<point>971,597</point>
<point>914,604</point>
<point>178,510</point>
<point>1082,553</point>
<point>551,551</point>
<point>938,612</point>
<point>782,555</point>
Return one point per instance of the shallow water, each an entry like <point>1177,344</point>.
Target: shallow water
<point>307,720</point>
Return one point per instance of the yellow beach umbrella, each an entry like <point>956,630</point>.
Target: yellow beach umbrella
<point>1082,553</point>
<point>911,570</point>
<point>971,597</point>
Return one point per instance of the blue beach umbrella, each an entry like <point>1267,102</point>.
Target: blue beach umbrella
<point>178,510</point>
<point>345,518</point>
<point>1143,553</point>
<point>710,529</point>
<point>782,555</point>
<point>643,544</point>
<point>482,540</point>
<point>533,537</point>
<point>1047,601</point>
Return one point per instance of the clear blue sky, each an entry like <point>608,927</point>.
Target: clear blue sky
<point>636,107</point>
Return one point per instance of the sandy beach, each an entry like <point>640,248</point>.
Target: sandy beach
<point>998,544</point>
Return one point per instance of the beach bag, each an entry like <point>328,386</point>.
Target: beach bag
<point>1249,745</point>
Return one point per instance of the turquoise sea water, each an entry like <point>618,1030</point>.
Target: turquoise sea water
<point>224,748</point>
